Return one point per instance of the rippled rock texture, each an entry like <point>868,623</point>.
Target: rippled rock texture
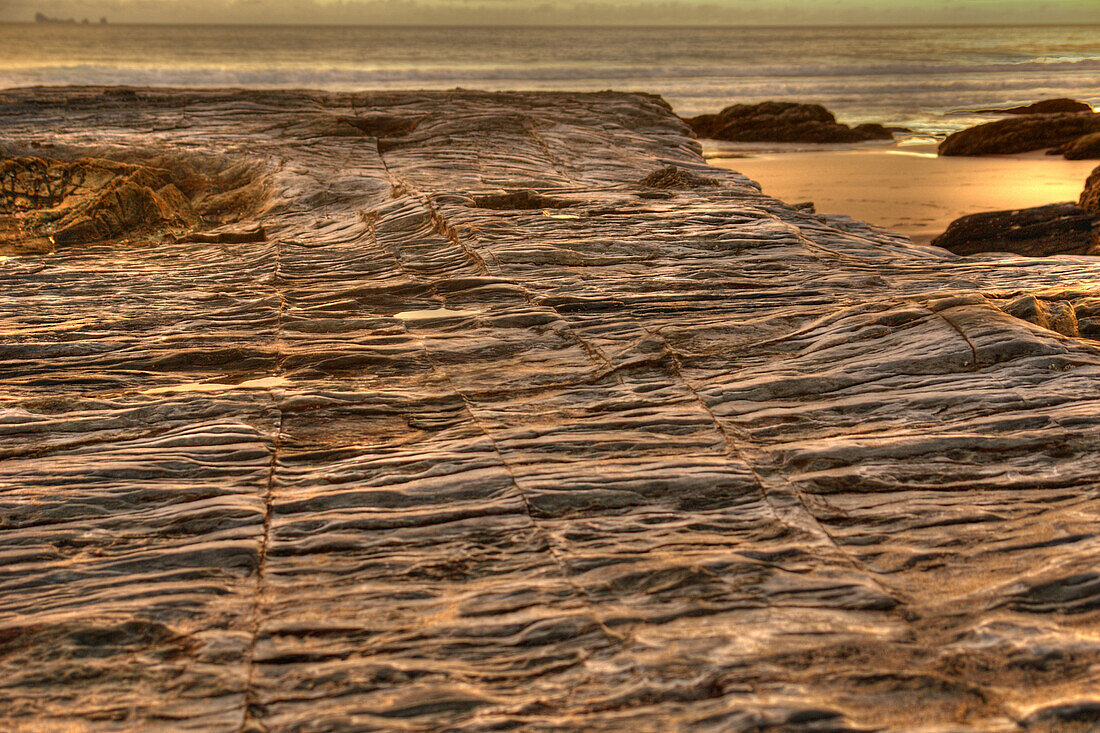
<point>488,432</point>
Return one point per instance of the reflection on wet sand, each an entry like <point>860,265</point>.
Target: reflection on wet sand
<point>909,189</point>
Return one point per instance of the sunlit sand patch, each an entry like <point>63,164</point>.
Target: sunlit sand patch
<point>918,140</point>
<point>912,154</point>
<point>428,315</point>
<point>264,383</point>
<point>912,190</point>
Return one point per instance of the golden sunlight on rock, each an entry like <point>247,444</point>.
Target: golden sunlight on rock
<point>375,440</point>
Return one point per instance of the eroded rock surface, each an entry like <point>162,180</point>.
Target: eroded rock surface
<point>783,122</point>
<point>673,177</point>
<point>49,202</point>
<point>407,462</point>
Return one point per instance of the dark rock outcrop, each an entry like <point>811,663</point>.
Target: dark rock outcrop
<point>673,177</point>
<point>1021,134</point>
<point>521,200</point>
<point>1045,107</point>
<point>43,18</point>
<point>782,122</point>
<point>1036,232</point>
<point>875,131</point>
<point>1090,197</point>
<point>1083,148</point>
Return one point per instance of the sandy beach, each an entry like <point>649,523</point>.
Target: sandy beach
<point>903,187</point>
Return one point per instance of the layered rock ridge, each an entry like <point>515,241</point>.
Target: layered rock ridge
<point>522,417</point>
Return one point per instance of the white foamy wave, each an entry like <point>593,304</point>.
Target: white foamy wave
<point>332,77</point>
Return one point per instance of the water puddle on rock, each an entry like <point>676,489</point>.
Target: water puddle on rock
<point>430,315</point>
<point>264,383</point>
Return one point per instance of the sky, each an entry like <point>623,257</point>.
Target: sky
<point>565,12</point>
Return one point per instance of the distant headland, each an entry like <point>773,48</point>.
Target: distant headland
<point>43,18</point>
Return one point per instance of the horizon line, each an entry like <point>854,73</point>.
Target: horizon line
<point>97,24</point>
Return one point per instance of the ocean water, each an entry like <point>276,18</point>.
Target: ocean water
<point>916,77</point>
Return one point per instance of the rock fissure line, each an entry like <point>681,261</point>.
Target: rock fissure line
<point>532,130</point>
<point>563,568</point>
<point>974,365</point>
<point>444,228</point>
<point>441,225</point>
<point>805,520</point>
<point>250,714</point>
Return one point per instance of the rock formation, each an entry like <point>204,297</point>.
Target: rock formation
<point>430,455</point>
<point>1046,106</point>
<point>41,17</point>
<point>1065,126</point>
<point>49,202</point>
<point>1090,197</point>
<point>1054,315</point>
<point>131,202</point>
<point>1040,231</point>
<point>1021,134</point>
<point>673,177</point>
<point>1036,232</point>
<point>785,122</point>
<point>1083,148</point>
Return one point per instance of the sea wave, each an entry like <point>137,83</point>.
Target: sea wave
<point>684,80</point>
<point>915,95</point>
<point>276,75</point>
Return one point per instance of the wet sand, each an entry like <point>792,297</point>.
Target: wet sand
<point>905,188</point>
